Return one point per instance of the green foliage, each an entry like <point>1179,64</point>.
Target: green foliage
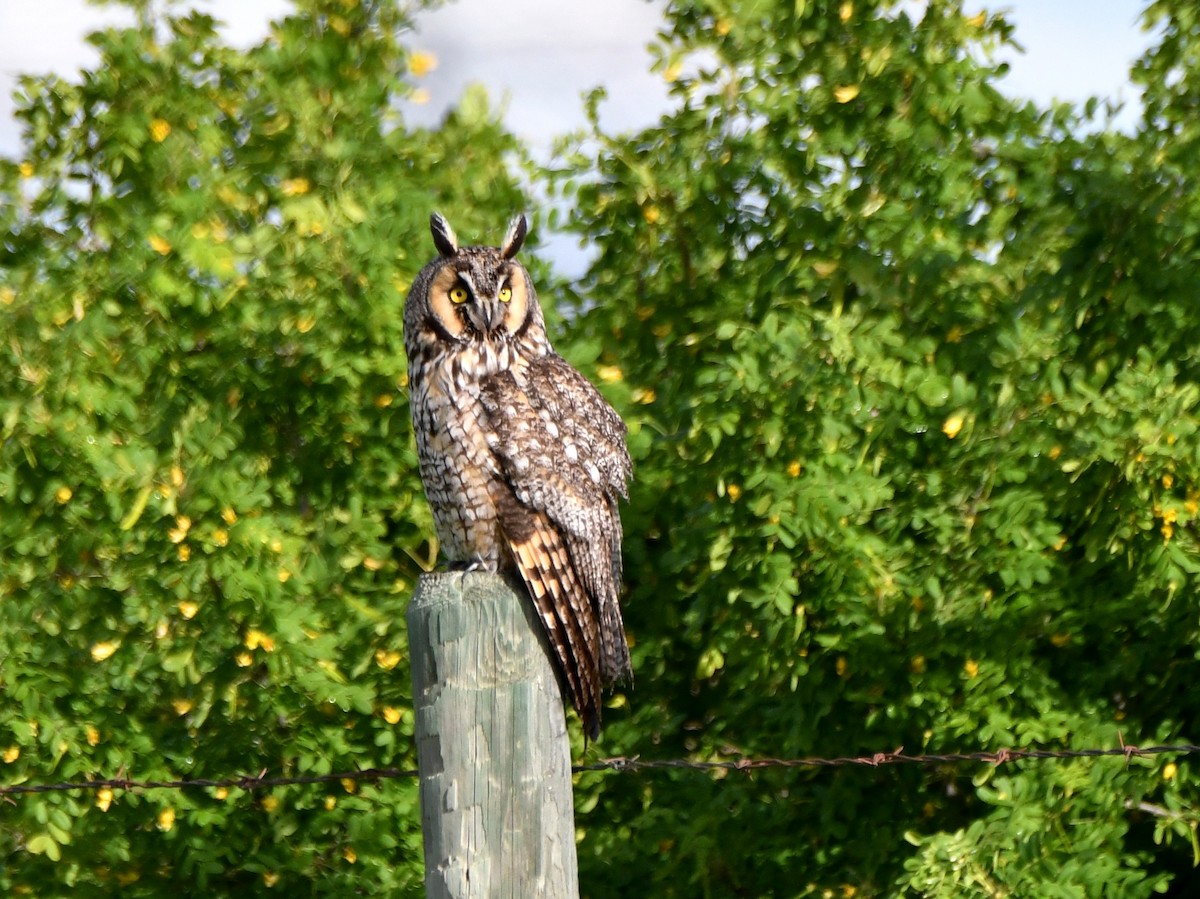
<point>914,391</point>
<point>211,518</point>
<point>911,373</point>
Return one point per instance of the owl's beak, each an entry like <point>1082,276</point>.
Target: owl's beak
<point>495,315</point>
<point>486,316</point>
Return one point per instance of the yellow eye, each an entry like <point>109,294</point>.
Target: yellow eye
<point>505,294</point>
<point>458,294</point>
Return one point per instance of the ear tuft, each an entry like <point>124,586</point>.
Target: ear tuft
<point>517,229</point>
<point>443,235</point>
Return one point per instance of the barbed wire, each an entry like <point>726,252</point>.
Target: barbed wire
<point>879,759</point>
<point>617,764</point>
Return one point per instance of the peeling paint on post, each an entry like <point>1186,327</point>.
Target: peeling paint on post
<point>497,810</point>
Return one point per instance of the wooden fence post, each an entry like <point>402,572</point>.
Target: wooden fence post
<point>497,810</point>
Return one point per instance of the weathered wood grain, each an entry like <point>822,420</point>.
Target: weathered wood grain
<point>495,765</point>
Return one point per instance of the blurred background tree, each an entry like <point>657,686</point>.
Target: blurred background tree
<point>212,518</point>
<point>912,375</point>
<point>910,371</point>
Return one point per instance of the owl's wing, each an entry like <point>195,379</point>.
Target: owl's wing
<point>562,450</point>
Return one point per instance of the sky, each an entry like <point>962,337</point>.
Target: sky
<point>541,56</point>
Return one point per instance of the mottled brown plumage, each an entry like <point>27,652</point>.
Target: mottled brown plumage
<point>522,459</point>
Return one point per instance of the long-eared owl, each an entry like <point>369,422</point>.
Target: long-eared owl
<point>522,459</point>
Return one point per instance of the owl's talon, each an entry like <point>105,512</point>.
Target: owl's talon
<point>491,565</point>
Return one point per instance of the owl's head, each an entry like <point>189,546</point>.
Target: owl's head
<point>469,295</point>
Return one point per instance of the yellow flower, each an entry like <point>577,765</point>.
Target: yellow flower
<point>63,495</point>
<point>11,754</point>
<point>306,323</point>
<point>420,95</point>
<point>734,492</point>
<point>421,64</point>
<point>651,214</point>
<point>270,803</point>
<point>1169,771</point>
<point>952,425</point>
<point>349,784</point>
<point>977,20</point>
<point>609,373</point>
<point>159,244</point>
<point>793,469</point>
<point>185,552</point>
<point>104,650</point>
<point>721,27</point>
<point>256,638</point>
<point>294,187</point>
<point>644,396</point>
<point>971,667</point>
<point>672,72</point>
<point>177,476</point>
<point>386,659</point>
<point>1168,481</point>
<point>330,803</point>
<point>221,793</point>
<point>845,11</point>
<point>243,659</point>
<point>221,537</point>
<point>284,575</point>
<point>350,855</point>
<point>7,296</point>
<point>270,878</point>
<point>104,798</point>
<point>25,169</point>
<point>228,515</point>
<point>93,735</point>
<point>160,130</point>
<point>177,534</point>
<point>383,401</point>
<point>188,609</point>
<point>846,92</point>
<point>182,706</point>
<point>391,715</point>
<point>166,819</point>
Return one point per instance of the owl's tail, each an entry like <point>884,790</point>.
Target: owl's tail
<point>563,606</point>
<point>615,664</point>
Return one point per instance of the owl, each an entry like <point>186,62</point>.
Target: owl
<point>522,460</point>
